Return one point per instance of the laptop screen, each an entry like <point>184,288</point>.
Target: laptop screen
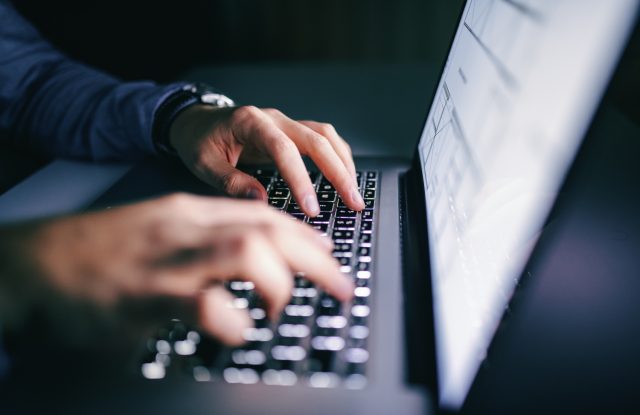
<point>520,85</point>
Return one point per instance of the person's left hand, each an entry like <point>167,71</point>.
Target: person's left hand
<point>211,141</point>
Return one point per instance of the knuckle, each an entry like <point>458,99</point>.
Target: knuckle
<point>272,111</point>
<point>177,200</point>
<point>327,129</point>
<point>246,112</point>
<point>282,145</point>
<point>318,141</point>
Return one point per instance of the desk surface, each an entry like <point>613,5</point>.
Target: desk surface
<point>379,109</point>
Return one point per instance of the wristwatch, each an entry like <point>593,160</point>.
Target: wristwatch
<point>174,104</point>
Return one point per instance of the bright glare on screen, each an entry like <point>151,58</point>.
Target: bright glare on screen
<point>521,83</point>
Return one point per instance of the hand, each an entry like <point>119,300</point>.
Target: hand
<point>178,248</point>
<point>211,141</point>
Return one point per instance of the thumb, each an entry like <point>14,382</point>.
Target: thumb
<point>219,318</point>
<point>234,182</point>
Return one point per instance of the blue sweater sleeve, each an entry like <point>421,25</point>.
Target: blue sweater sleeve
<point>61,108</point>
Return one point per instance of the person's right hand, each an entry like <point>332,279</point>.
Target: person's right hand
<point>182,247</point>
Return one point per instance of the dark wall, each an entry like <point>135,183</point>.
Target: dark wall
<point>160,39</point>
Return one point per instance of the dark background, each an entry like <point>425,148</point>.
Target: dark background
<point>161,39</point>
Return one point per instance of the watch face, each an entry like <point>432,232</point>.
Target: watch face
<point>218,100</point>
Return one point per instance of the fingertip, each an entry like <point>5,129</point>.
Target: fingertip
<point>356,200</point>
<point>325,241</point>
<point>343,288</point>
<point>310,205</point>
<point>256,194</point>
<point>219,317</point>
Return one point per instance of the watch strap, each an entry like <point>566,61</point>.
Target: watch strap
<point>177,102</point>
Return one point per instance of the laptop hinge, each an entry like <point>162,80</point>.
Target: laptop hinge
<point>418,305</point>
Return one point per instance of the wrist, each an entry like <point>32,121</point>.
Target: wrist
<point>175,104</point>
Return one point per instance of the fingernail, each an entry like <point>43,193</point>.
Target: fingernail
<point>356,198</point>
<point>311,205</point>
<point>344,288</point>
<point>253,194</point>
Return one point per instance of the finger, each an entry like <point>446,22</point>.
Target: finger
<point>263,133</point>
<point>323,154</point>
<point>218,317</point>
<point>258,261</point>
<point>235,251</point>
<point>339,144</point>
<point>221,174</point>
<point>318,265</point>
<point>195,218</point>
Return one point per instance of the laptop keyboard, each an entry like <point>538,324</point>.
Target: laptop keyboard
<point>318,340</point>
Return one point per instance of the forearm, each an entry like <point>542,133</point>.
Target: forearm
<point>61,108</point>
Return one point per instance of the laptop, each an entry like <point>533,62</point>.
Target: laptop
<point>438,252</point>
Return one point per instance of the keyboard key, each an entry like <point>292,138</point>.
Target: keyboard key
<point>279,194</point>
<point>326,196</point>
<point>342,247</point>
<point>342,235</point>
<point>277,203</point>
<point>372,175</point>
<point>362,292</point>
<point>324,380</point>
<point>304,292</point>
<point>326,206</point>
<point>363,266</point>
<point>365,238</point>
<point>321,227</point>
<point>359,332</point>
<point>248,357</point>
<point>369,194</point>
<point>345,213</point>
<point>360,311</point>
<point>298,216</point>
<point>333,343</point>
<point>294,208</point>
<point>369,203</point>
<point>356,355</point>
<point>362,282</point>
<point>293,330</point>
<point>279,183</point>
<point>279,377</point>
<point>322,217</point>
<point>367,214</point>
<point>344,261</point>
<point>301,282</point>
<point>293,353</point>
<point>344,224</point>
<point>244,375</point>
<point>295,310</point>
<point>370,184</point>
<point>331,322</point>
<point>366,226</point>
<point>253,334</point>
<point>325,187</point>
